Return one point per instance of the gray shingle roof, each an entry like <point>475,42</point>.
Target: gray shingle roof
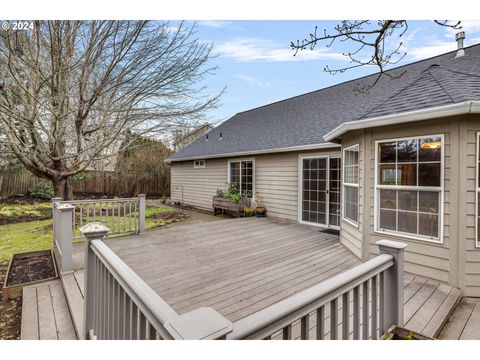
<point>304,119</point>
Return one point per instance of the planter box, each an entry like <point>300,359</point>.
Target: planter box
<point>228,205</point>
<point>399,333</point>
<point>13,291</point>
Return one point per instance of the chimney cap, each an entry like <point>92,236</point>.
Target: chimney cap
<point>460,35</point>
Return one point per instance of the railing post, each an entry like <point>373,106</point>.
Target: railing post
<point>393,284</point>
<point>200,324</point>
<point>91,231</point>
<point>141,213</point>
<point>54,220</point>
<point>64,234</point>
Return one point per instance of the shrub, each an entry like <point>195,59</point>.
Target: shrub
<point>44,190</point>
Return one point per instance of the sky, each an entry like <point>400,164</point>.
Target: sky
<point>256,65</point>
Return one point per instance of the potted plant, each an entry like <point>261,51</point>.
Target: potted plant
<point>260,210</point>
<point>249,211</point>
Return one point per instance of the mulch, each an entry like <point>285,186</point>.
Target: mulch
<point>10,314</point>
<point>171,215</point>
<point>31,268</point>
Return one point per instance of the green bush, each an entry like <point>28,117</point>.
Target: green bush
<point>43,190</point>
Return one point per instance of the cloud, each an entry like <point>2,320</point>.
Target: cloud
<point>437,48</point>
<point>253,81</point>
<point>256,50</point>
<point>217,24</point>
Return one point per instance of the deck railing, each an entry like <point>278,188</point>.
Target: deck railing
<point>361,303</point>
<point>120,305</point>
<point>122,215</point>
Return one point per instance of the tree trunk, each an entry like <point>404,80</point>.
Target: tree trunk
<point>59,188</point>
<point>68,188</point>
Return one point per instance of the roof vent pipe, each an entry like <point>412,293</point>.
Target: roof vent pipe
<point>460,48</point>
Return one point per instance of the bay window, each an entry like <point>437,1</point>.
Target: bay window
<point>350,184</point>
<point>409,187</point>
<point>240,173</point>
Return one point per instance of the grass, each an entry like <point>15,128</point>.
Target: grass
<point>14,212</point>
<point>37,235</point>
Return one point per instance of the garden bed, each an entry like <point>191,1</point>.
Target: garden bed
<point>26,269</point>
<point>10,314</point>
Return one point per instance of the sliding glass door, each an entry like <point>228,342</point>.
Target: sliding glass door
<point>320,191</point>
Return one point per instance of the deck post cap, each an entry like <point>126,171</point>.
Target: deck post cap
<point>94,229</point>
<point>391,245</point>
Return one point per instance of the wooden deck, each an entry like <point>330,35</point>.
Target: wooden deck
<point>464,324</point>
<point>239,266</point>
<point>45,314</point>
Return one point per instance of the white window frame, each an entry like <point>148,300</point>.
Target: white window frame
<point>195,166</point>
<point>440,189</point>
<point>344,218</point>
<point>253,173</point>
<point>477,190</point>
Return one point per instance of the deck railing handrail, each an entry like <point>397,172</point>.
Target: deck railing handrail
<point>156,311</point>
<point>123,215</point>
<point>120,305</point>
<point>276,317</point>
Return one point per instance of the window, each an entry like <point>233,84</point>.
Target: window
<point>198,164</point>
<point>350,184</point>
<point>478,192</point>
<point>409,187</point>
<point>241,174</point>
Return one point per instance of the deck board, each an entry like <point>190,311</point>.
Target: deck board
<point>464,323</point>
<point>239,266</point>
<point>45,315</point>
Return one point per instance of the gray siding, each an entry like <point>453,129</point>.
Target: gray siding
<point>199,185</point>
<point>423,258</point>
<point>352,236</point>
<point>471,253</point>
<point>276,179</point>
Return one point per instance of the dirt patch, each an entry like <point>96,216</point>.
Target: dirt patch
<point>10,314</point>
<point>31,268</point>
<point>170,215</point>
<point>23,218</point>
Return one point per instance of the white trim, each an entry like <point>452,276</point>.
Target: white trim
<point>350,221</point>
<point>327,145</point>
<point>195,166</point>
<point>327,200</point>
<point>440,189</point>
<point>477,190</point>
<point>253,172</point>
<point>467,107</point>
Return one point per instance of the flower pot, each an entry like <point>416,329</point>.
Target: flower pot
<point>249,212</point>
<point>260,211</point>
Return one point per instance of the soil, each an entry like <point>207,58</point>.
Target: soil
<point>20,219</point>
<point>10,314</point>
<point>171,215</point>
<point>31,268</point>
<point>22,200</point>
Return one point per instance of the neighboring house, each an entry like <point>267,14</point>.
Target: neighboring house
<point>398,162</point>
<point>190,137</point>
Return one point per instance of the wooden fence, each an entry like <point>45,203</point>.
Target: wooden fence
<point>20,181</point>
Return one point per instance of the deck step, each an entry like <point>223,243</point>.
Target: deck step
<point>45,314</point>
<point>73,289</point>
<point>432,303</point>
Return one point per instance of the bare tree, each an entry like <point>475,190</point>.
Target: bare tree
<point>373,41</point>
<point>71,91</point>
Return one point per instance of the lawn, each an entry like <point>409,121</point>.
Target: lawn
<point>28,230</point>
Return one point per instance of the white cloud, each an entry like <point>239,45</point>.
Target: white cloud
<point>253,81</point>
<point>217,24</point>
<point>256,49</point>
<point>436,48</point>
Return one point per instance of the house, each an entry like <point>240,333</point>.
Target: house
<point>187,139</point>
<point>399,162</point>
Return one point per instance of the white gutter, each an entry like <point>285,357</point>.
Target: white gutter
<point>467,107</point>
<point>258,152</point>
